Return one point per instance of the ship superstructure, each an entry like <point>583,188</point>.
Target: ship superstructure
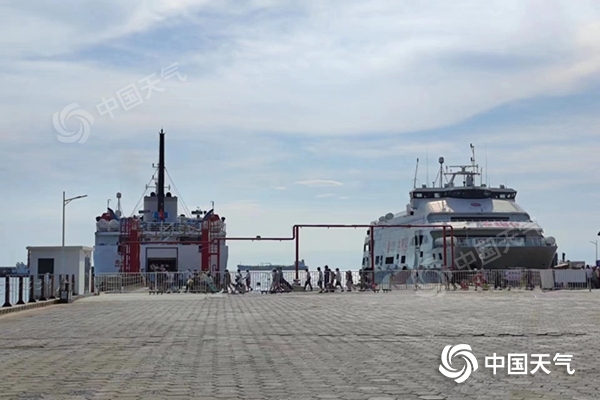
<point>489,229</point>
<point>159,236</point>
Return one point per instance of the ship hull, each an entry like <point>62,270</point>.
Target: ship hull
<point>538,257</point>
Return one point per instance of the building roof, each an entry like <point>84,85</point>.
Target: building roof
<point>59,248</point>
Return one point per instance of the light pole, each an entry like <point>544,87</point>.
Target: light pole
<point>65,202</point>
<point>595,243</point>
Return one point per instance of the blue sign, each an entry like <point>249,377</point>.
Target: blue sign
<point>157,216</point>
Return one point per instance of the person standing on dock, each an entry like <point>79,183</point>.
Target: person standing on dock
<point>248,281</point>
<point>338,280</point>
<point>320,280</point>
<point>274,281</point>
<point>228,285</point>
<point>307,282</point>
<point>327,280</point>
<point>349,281</point>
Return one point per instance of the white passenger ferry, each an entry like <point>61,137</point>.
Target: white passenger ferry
<point>489,229</point>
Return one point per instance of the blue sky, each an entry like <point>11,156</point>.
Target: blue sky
<point>299,112</point>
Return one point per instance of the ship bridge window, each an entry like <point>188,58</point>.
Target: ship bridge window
<point>403,260</point>
<point>470,194</point>
<point>366,247</point>
<point>504,195</point>
<point>389,260</point>
<point>429,195</point>
<point>480,218</point>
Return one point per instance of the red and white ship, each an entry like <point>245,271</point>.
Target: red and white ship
<point>159,236</point>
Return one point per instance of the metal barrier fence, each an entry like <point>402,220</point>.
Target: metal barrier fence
<point>17,290</point>
<point>262,281</point>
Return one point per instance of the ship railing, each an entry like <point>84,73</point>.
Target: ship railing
<point>173,226</point>
<point>161,228</point>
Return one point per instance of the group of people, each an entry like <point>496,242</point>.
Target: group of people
<point>242,284</point>
<point>593,276</point>
<point>329,280</point>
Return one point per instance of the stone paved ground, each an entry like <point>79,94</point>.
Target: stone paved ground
<point>297,346</point>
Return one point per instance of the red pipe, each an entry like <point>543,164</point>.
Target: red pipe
<point>445,263</point>
<point>296,235</point>
<point>452,248</point>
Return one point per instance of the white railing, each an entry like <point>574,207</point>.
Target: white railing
<point>262,281</point>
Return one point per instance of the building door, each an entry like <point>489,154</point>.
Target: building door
<point>88,266</point>
<point>45,266</point>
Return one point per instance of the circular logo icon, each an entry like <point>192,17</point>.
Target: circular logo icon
<point>66,135</point>
<point>464,351</point>
<point>428,282</point>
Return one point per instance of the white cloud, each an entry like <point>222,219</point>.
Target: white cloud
<point>325,195</point>
<point>319,183</point>
<point>290,91</point>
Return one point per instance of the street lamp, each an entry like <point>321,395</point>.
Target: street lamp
<point>595,243</point>
<point>65,202</point>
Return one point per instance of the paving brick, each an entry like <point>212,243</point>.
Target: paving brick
<point>355,346</point>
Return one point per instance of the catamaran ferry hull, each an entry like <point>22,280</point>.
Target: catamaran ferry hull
<point>499,258</point>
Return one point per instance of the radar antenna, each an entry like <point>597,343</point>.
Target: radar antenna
<point>469,172</point>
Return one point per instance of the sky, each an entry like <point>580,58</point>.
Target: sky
<point>295,111</point>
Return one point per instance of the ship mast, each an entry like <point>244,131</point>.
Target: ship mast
<point>161,177</point>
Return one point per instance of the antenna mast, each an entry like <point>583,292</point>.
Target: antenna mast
<point>416,170</point>
<point>441,161</point>
<point>487,180</point>
<point>427,164</point>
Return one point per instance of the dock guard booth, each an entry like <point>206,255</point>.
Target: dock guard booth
<point>68,260</point>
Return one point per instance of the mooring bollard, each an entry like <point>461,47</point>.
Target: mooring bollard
<point>52,290</point>
<point>31,288</point>
<point>43,292</point>
<point>20,291</point>
<point>7,293</point>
